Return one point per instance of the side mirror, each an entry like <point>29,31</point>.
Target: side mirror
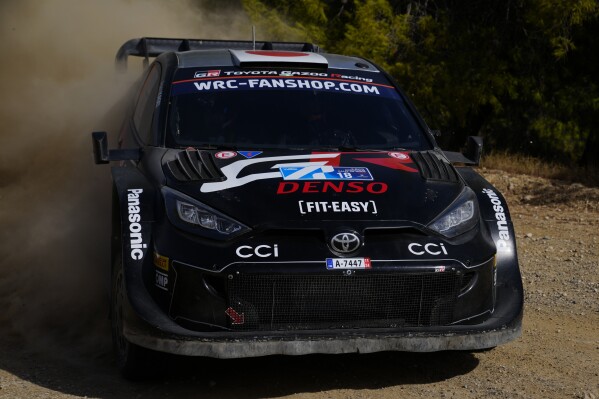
<point>100,143</point>
<point>103,155</point>
<point>474,149</point>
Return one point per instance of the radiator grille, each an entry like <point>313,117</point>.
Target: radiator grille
<point>300,302</point>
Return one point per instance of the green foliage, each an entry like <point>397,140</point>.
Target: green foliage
<point>270,22</point>
<point>302,20</point>
<point>556,19</point>
<point>522,73</point>
<point>386,32</point>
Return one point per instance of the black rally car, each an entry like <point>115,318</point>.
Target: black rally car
<point>274,199</point>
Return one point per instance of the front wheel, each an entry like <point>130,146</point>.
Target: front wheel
<point>133,361</point>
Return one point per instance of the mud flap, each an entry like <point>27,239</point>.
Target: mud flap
<point>137,200</point>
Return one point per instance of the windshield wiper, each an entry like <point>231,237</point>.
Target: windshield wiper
<point>352,148</point>
<point>216,147</point>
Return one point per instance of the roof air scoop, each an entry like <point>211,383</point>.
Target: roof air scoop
<point>276,58</point>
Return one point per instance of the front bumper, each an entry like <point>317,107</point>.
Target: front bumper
<point>148,326</point>
<point>488,321</point>
<point>239,345</point>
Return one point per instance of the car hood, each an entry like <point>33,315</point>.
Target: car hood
<point>287,188</point>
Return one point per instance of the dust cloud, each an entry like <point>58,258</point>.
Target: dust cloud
<point>57,84</point>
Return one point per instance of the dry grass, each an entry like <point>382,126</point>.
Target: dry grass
<point>526,165</point>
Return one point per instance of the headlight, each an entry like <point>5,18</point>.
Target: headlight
<point>193,216</point>
<point>461,216</point>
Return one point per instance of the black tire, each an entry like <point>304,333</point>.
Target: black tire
<point>134,362</point>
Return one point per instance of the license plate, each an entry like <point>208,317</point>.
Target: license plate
<point>348,263</point>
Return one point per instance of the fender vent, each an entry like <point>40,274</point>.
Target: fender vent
<point>192,165</point>
<point>432,167</point>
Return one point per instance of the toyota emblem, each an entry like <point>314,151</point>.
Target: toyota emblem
<point>345,242</point>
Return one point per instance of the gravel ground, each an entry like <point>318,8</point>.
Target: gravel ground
<point>556,357</point>
<point>54,336</point>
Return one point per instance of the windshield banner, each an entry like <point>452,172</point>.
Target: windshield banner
<point>231,83</point>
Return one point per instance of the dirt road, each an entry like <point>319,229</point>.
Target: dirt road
<point>557,356</point>
<point>54,336</point>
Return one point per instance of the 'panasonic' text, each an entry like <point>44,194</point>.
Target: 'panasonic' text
<point>503,243</point>
<point>136,239</point>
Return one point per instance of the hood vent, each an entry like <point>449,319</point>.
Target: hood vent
<point>433,167</point>
<point>194,165</point>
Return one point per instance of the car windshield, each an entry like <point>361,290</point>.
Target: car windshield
<point>291,112</point>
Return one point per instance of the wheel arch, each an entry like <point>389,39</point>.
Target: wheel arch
<point>496,216</point>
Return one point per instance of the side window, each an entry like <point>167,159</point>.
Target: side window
<point>146,103</point>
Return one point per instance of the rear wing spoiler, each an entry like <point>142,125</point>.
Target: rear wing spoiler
<point>147,47</point>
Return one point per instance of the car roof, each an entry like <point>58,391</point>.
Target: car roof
<point>227,57</point>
